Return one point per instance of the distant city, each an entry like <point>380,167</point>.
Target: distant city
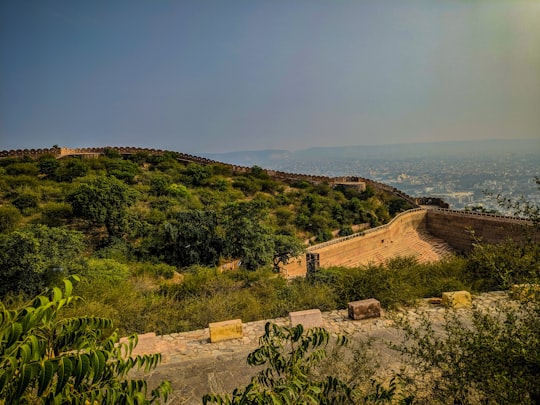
<point>465,175</point>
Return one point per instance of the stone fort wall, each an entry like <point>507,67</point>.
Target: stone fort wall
<point>454,227</point>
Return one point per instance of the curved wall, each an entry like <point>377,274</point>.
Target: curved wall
<point>411,231</point>
<point>455,227</point>
<point>363,247</point>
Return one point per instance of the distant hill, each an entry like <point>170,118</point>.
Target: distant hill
<point>465,149</point>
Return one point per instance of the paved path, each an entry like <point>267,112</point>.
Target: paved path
<point>195,366</point>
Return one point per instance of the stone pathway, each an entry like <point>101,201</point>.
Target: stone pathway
<point>195,366</point>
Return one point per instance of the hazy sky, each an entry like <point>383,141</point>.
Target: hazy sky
<point>215,76</point>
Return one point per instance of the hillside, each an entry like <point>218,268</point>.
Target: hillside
<point>154,217</point>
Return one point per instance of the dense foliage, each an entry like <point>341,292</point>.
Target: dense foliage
<point>52,360</point>
<point>149,234</point>
<point>154,208</point>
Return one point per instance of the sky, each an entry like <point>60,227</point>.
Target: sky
<point>211,76</point>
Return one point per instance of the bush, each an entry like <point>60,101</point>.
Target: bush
<point>25,201</point>
<point>156,270</point>
<point>106,271</point>
<point>399,281</point>
<point>56,213</point>
<point>493,358</point>
<point>30,255</point>
<point>46,359</point>
<point>9,218</point>
<point>294,371</point>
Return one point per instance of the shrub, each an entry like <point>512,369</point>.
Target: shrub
<point>288,357</point>
<point>491,358</point>
<point>106,271</point>
<point>45,359</point>
<point>9,218</point>
<point>25,201</point>
<point>56,213</point>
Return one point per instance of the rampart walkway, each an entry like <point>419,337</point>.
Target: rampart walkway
<point>195,366</point>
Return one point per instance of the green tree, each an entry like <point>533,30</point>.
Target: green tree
<point>9,218</point>
<point>125,170</point>
<point>52,360</point>
<point>30,257</point>
<point>286,247</point>
<point>48,165</point>
<point>104,201</point>
<point>248,238</point>
<point>191,237</point>
<point>71,169</point>
<point>196,174</point>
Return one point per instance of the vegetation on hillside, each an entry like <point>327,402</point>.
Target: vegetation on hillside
<point>136,226</point>
<point>155,209</point>
<point>147,234</point>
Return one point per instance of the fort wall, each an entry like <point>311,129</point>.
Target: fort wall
<point>373,245</point>
<point>410,234</point>
<point>456,227</point>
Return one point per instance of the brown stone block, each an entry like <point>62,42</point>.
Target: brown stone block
<point>364,309</point>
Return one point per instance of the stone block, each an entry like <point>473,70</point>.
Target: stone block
<point>146,344</point>
<point>309,318</point>
<point>225,330</point>
<point>364,309</point>
<point>457,299</point>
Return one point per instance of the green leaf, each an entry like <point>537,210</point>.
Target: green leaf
<point>24,379</point>
<point>65,367</point>
<point>45,376</point>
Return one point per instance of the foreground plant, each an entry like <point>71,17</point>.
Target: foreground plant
<point>290,356</point>
<point>49,360</point>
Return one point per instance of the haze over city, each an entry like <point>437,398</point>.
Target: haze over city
<point>214,77</point>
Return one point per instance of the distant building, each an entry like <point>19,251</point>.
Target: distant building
<point>351,182</point>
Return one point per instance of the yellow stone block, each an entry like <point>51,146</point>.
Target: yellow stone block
<point>457,299</point>
<point>225,330</point>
